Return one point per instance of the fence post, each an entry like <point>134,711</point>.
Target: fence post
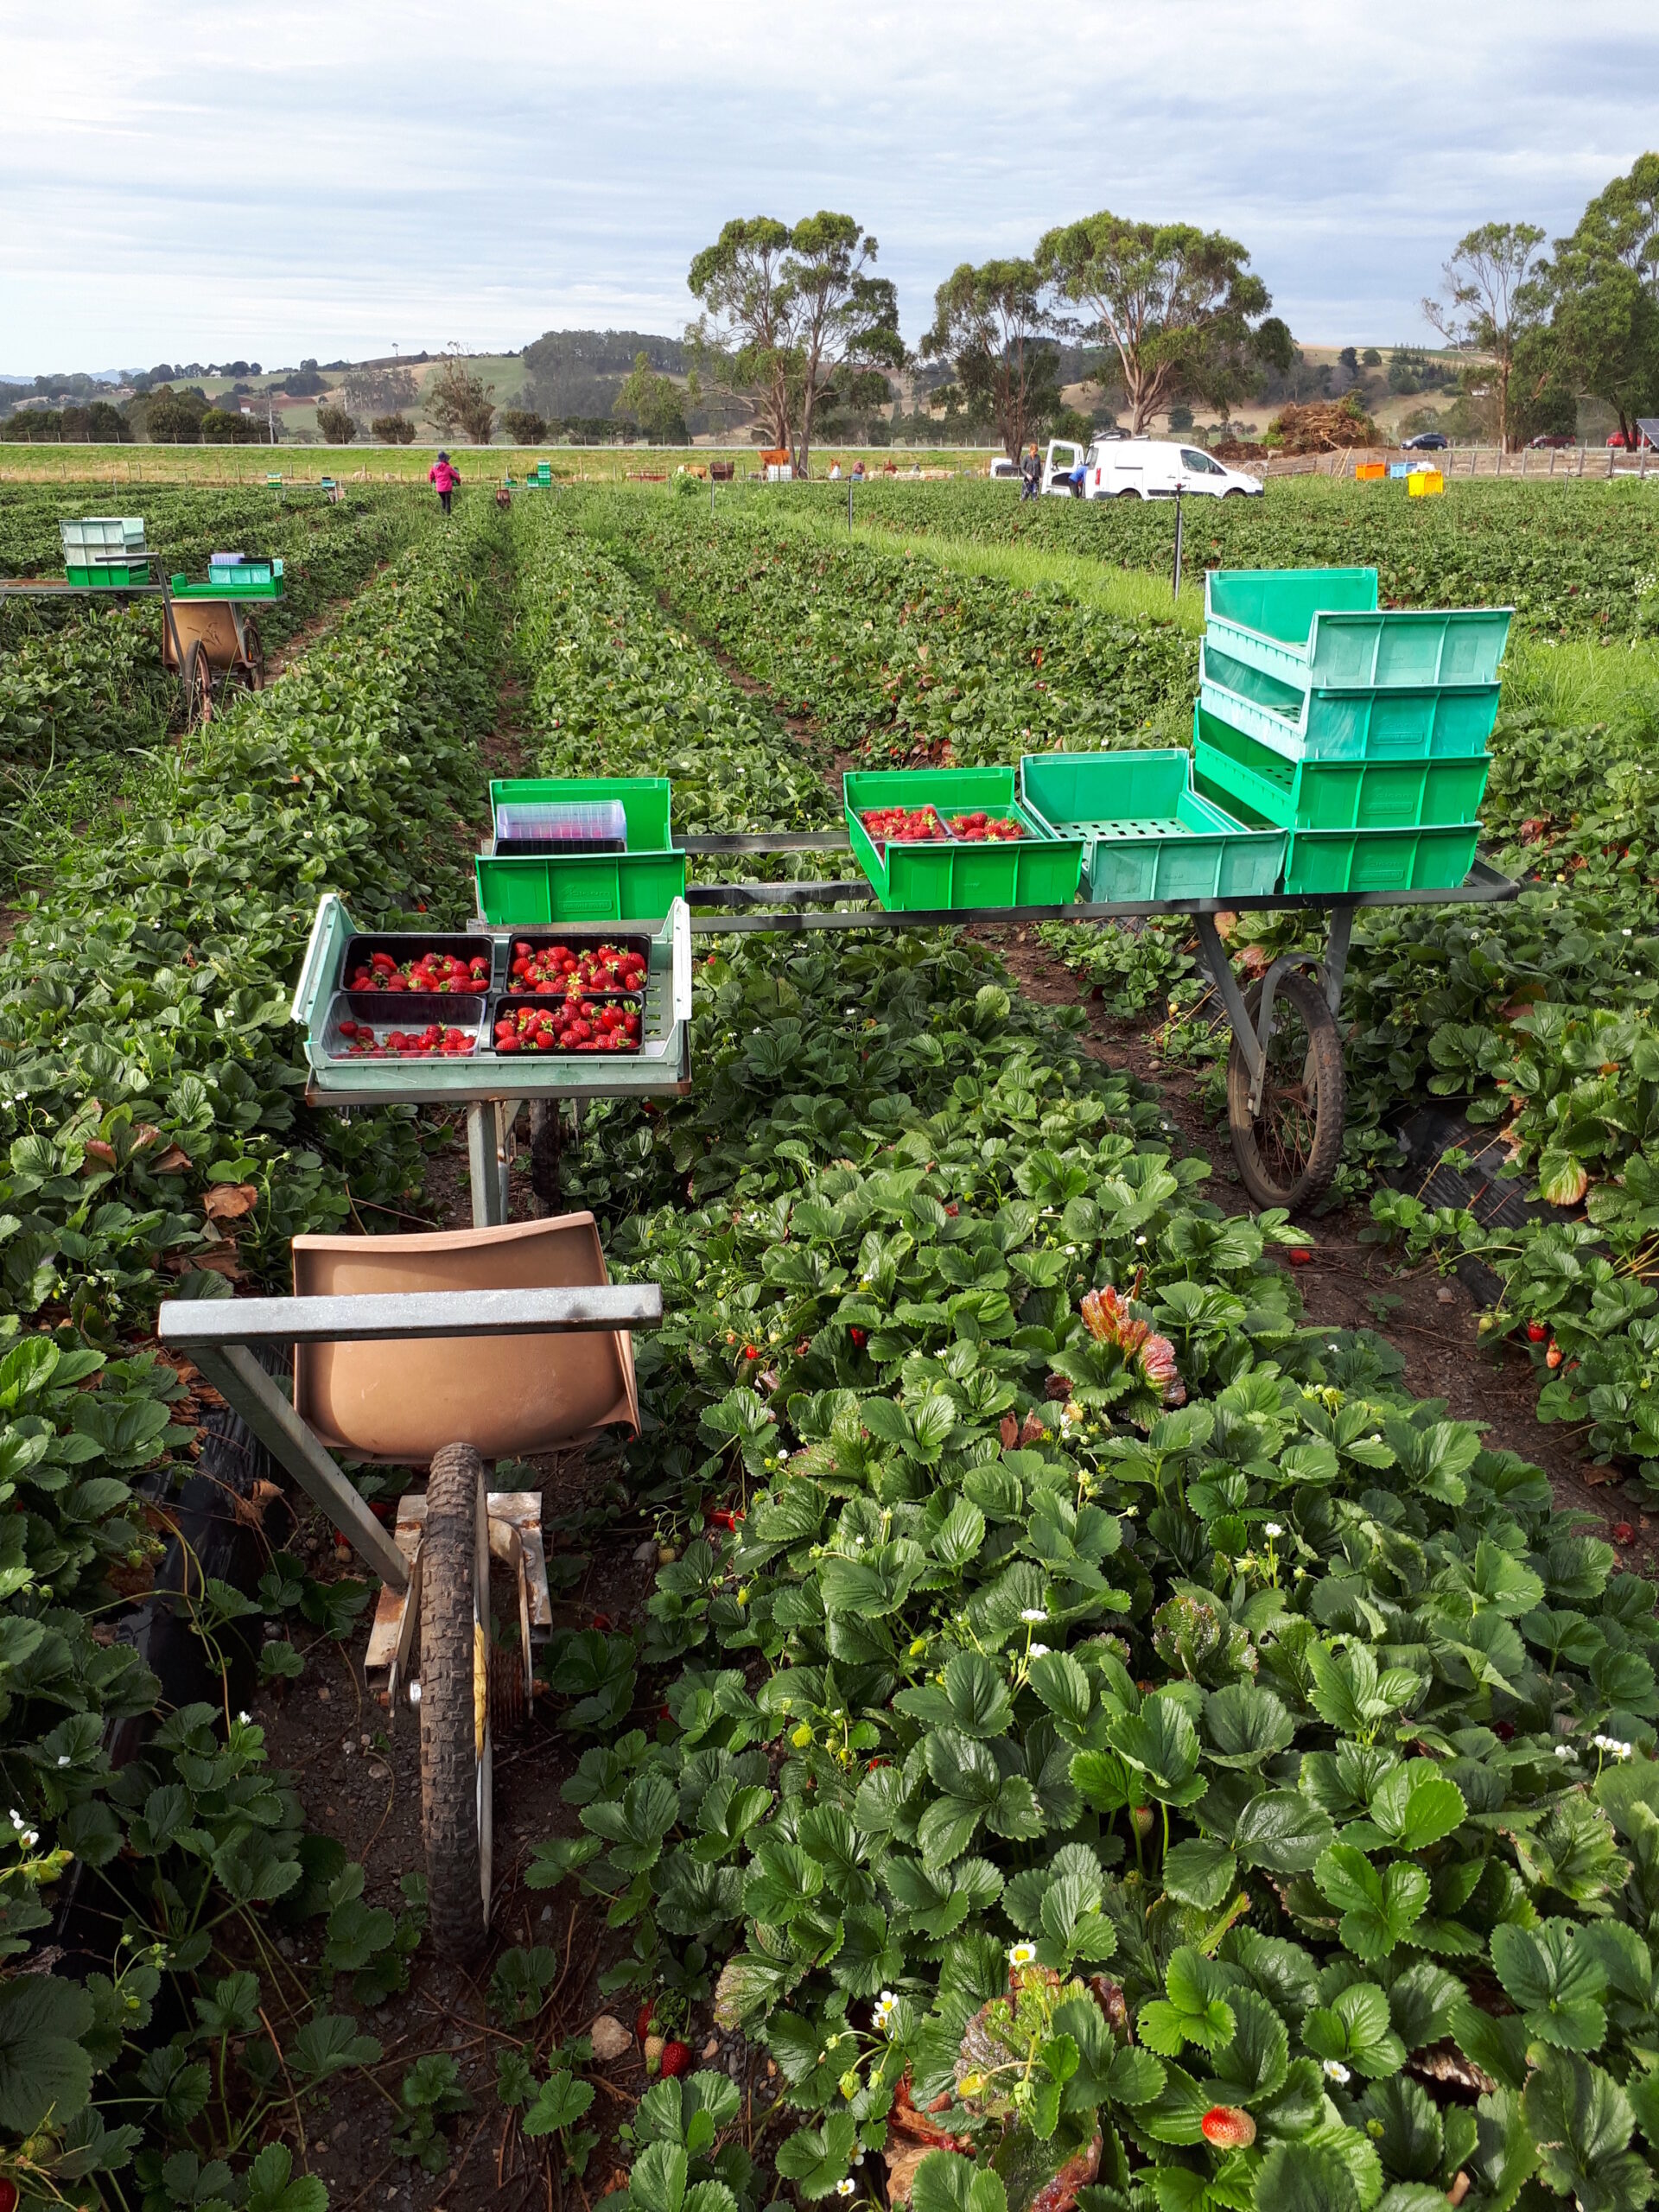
<point>1176,592</point>
<point>1610,464</point>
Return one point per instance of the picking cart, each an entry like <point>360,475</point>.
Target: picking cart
<point>208,636</point>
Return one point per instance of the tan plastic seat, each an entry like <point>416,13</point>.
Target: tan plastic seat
<point>507,1395</point>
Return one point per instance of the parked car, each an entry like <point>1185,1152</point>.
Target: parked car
<point>1426,441</point>
<point>1004,471</point>
<point>1155,469</point>
<point>1620,443</point>
<point>1553,441</point>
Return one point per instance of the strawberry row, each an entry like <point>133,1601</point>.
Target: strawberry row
<point>151,1072</point>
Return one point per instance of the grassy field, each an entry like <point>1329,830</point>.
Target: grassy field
<point>123,465</point>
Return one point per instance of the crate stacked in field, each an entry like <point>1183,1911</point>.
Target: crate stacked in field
<point>105,552</point>
<point>1360,731</point>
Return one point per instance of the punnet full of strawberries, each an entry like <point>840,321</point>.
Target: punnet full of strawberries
<point>982,829</point>
<point>434,1042</point>
<point>904,825</point>
<point>572,1026</point>
<point>560,968</point>
<point>432,971</point>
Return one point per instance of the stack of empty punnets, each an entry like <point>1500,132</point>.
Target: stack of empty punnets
<point>1363,732</point>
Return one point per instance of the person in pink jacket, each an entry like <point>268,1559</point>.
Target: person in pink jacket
<point>444,473</point>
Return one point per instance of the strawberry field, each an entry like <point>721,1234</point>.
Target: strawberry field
<point>1087,1736</point>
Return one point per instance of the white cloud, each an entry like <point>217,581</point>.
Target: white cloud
<point>191,181</point>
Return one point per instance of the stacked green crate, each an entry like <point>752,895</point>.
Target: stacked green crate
<point>1361,731</point>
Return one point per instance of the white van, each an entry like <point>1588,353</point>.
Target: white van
<point>1153,468</point>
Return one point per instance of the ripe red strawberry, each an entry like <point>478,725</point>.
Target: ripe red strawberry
<point>643,2018</point>
<point>1624,1533</point>
<point>1553,1356</point>
<point>676,2056</point>
<point>1299,1255</point>
<point>1536,1332</point>
<point>860,1337</point>
<point>1229,2127</point>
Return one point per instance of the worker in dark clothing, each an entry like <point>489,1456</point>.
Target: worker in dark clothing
<point>1031,472</point>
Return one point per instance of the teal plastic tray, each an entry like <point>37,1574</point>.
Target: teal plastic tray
<point>1147,833</point>
<point>659,1066</point>
<point>1040,869</point>
<point>1335,794</point>
<point>1429,859</point>
<point>1439,721</point>
<point>1322,627</point>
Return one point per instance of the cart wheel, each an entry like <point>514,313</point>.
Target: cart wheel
<point>456,1813</point>
<point>1287,1151</point>
<point>198,686</point>
<point>253,645</point>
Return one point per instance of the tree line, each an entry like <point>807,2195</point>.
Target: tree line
<point>794,321</point>
<point>1577,318</point>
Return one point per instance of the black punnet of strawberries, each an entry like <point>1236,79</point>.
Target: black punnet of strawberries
<point>574,1024</point>
<point>557,968</point>
<point>432,971</point>
<point>434,1042</point>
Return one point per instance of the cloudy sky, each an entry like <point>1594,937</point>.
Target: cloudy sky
<point>204,181</point>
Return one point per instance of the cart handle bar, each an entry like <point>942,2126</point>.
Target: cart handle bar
<point>211,1323</point>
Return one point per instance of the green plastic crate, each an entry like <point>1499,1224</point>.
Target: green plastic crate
<point>1335,794</point>
<point>1440,722</point>
<point>1041,870</point>
<point>109,575</point>
<point>590,887</point>
<point>1323,626</point>
<point>1147,833</point>
<point>638,885</point>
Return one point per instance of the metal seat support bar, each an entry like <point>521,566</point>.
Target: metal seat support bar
<point>196,1323</point>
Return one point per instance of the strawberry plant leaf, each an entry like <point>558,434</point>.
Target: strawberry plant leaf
<point>1555,1980</point>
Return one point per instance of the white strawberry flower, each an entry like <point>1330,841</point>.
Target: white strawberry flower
<point>1022,1955</point>
<point>1336,2071</point>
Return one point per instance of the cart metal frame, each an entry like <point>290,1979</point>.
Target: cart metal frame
<point>789,907</point>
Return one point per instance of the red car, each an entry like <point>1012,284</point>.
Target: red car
<point>1619,442</point>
